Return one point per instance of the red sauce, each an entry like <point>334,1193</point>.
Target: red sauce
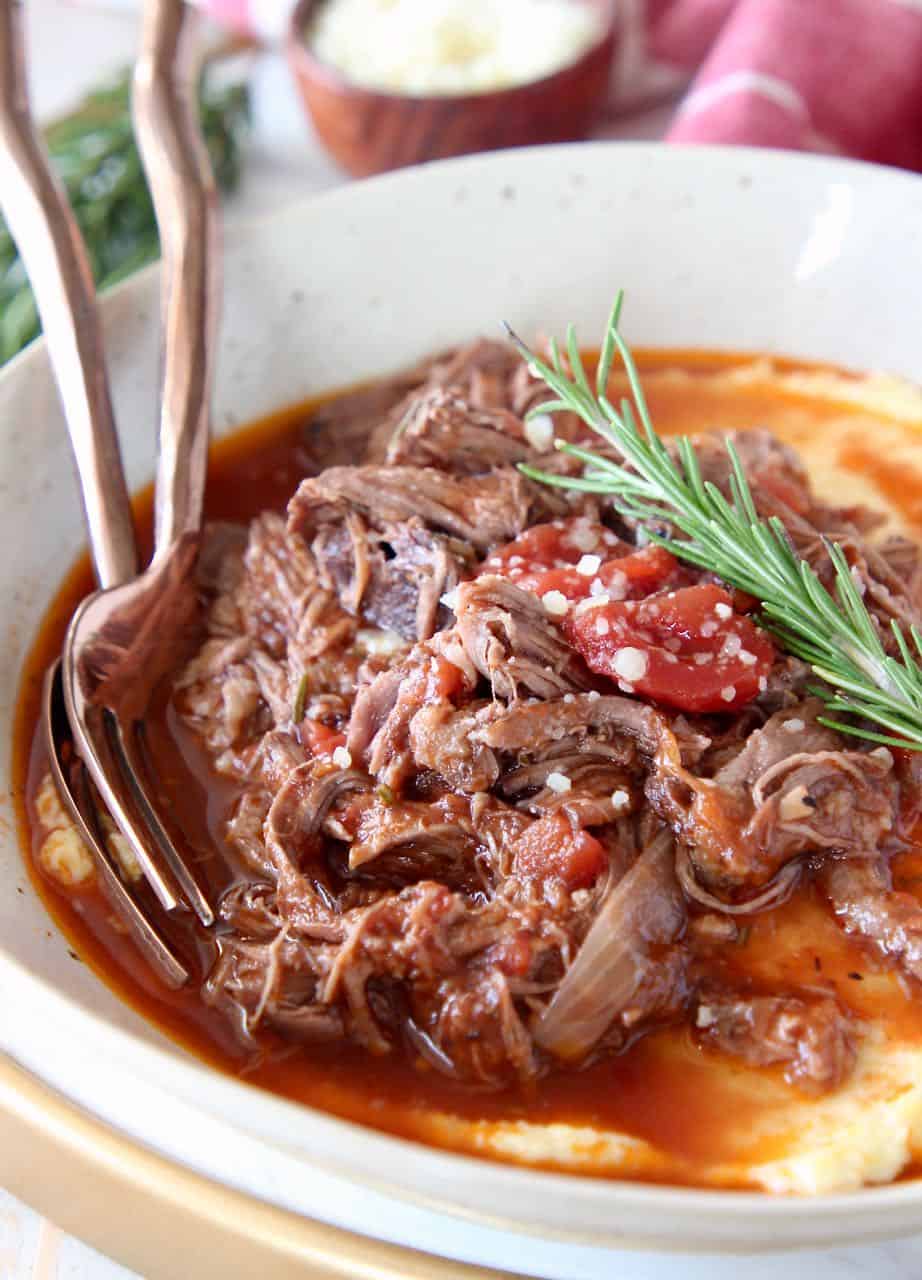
<point>663,1089</point>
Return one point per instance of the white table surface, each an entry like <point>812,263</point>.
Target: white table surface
<point>70,49</point>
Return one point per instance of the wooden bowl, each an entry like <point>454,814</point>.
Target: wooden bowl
<point>372,130</point>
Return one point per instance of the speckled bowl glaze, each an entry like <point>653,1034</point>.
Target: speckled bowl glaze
<point>734,248</point>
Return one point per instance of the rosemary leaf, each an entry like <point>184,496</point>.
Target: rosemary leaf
<point>94,154</point>
<point>831,630</point>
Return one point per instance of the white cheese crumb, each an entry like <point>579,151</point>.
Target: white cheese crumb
<point>617,584</point>
<point>631,664</point>
<point>539,432</point>
<point>709,628</point>
<point>746,658</point>
<point>384,643</point>
<point>728,693</point>
<point>792,805</point>
<point>723,610</point>
<point>602,626</point>
<point>569,697</point>
<point>620,800</point>
<point>597,588</point>
<point>342,757</point>
<point>625,687</point>
<point>731,646</point>
<point>881,753</point>
<point>589,565</point>
<point>763,684</point>
<point>705,1017</point>
<point>593,695</point>
<point>559,782</point>
<point>555,603</point>
<point>594,602</point>
<point>581,535</point>
<point>793,725</point>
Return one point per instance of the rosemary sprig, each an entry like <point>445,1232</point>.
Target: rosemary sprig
<point>832,631</point>
<point>94,153</point>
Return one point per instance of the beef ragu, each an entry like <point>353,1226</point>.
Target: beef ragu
<point>492,790</point>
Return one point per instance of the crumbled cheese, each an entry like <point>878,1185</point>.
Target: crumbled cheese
<point>582,535</point>
<point>763,684</point>
<point>728,693</point>
<point>881,753</point>
<point>705,1017</point>
<point>630,664</point>
<point>539,431</point>
<point>342,757</point>
<point>593,695</point>
<point>569,698</point>
<point>589,565</point>
<point>617,584</point>
<point>746,658</point>
<point>709,628</point>
<point>384,643</point>
<point>731,646</point>
<point>602,626</point>
<point>794,725</point>
<point>555,603</point>
<point>723,611</point>
<point>597,588</point>
<point>594,602</point>
<point>559,782</point>
<point>625,687</point>
<point>620,800</point>
<point>793,805</point>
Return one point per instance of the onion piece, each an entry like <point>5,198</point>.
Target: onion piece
<point>643,909</point>
<point>776,892</point>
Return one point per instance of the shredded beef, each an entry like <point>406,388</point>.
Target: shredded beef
<point>424,769</point>
<point>809,1035</point>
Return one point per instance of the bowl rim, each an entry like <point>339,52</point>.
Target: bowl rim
<point>305,62</point>
<point>392,1152</point>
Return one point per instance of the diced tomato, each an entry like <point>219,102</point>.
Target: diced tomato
<point>320,739</point>
<point>513,954</point>
<point>553,546</point>
<point>687,649</point>
<point>552,846</point>
<point>545,558</point>
<point>444,681</point>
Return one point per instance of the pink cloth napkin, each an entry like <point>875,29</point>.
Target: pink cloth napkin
<point>841,76</point>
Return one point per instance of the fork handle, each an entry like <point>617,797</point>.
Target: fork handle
<point>164,104</point>
<point>49,241</point>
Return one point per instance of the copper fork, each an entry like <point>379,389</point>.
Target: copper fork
<point>123,639</point>
<point>51,246</point>
<point>121,642</point>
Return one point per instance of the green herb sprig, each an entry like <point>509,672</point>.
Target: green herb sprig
<point>832,631</point>
<point>93,152</point>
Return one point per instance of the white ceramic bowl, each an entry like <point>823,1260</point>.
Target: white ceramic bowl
<point>815,257</point>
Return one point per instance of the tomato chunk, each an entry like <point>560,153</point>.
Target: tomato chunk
<point>687,649</point>
<point>560,545</point>
<point>552,846</point>
<point>320,739</point>
<point>545,558</point>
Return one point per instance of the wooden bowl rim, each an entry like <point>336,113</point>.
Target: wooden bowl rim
<point>307,62</point>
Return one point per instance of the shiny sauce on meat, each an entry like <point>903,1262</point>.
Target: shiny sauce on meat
<point>695,1106</point>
